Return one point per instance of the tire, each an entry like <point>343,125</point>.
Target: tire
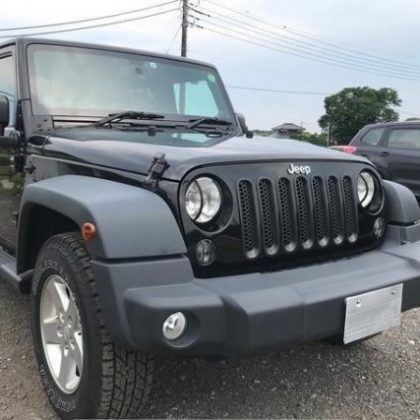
<point>92,377</point>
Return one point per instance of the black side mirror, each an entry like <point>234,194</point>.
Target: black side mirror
<point>244,128</point>
<point>4,111</point>
<point>5,141</point>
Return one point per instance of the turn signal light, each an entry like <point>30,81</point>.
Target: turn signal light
<point>88,231</point>
<point>346,149</point>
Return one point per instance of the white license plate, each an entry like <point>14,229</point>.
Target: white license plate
<point>370,313</point>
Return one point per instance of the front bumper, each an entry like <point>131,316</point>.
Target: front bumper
<point>231,315</point>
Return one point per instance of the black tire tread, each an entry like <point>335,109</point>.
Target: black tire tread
<point>127,375</point>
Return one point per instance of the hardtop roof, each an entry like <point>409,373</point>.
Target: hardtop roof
<point>24,41</point>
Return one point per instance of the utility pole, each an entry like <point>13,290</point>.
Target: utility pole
<point>184,28</point>
<point>329,134</point>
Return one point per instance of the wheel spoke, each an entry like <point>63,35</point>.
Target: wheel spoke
<point>67,368</point>
<point>76,351</point>
<point>58,294</point>
<point>72,313</point>
<point>50,330</point>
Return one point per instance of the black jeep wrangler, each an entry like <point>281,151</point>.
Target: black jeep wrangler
<point>143,218</point>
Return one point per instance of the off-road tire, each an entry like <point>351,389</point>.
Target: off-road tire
<point>115,382</point>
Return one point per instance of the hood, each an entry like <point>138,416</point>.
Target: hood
<point>133,151</point>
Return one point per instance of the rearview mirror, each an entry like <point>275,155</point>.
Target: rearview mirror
<point>242,124</point>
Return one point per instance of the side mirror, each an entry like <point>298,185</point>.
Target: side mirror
<point>5,141</point>
<point>244,128</point>
<point>4,111</point>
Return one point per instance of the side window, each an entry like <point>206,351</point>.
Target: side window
<point>373,137</point>
<point>7,82</point>
<point>408,138</point>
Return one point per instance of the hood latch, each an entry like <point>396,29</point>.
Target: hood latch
<point>155,170</point>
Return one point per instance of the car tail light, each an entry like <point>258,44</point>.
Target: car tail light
<point>346,149</point>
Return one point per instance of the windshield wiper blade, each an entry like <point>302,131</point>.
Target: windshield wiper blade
<point>208,120</point>
<point>127,115</point>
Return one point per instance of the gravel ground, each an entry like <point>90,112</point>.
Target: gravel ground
<point>378,379</point>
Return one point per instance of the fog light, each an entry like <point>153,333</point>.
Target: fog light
<point>379,227</point>
<point>205,252</point>
<point>174,326</point>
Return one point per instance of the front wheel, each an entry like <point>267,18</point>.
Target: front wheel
<point>84,374</point>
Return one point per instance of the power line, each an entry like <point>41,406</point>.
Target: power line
<point>299,92</point>
<point>290,51</point>
<point>173,40</point>
<point>305,35</point>
<point>303,45</point>
<point>73,22</point>
<point>100,25</point>
<point>304,50</point>
<point>305,55</point>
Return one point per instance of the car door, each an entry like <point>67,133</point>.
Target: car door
<point>368,143</point>
<point>403,148</point>
<point>11,184</point>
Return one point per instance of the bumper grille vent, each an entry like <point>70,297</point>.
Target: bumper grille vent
<point>249,217</point>
<point>296,215</point>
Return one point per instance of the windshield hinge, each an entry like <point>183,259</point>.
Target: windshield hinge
<point>155,170</point>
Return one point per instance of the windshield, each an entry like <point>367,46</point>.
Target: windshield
<point>87,82</point>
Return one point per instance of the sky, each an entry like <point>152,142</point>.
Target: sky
<point>386,32</point>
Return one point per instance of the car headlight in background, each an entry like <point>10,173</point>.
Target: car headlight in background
<point>203,199</point>
<point>365,188</point>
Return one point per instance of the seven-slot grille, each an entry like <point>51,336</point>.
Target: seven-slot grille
<point>303,213</point>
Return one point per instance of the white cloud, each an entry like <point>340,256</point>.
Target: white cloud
<point>378,27</point>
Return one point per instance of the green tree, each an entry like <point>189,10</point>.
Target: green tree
<point>348,111</point>
<point>314,138</point>
<point>263,133</point>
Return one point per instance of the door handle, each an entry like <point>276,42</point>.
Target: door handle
<point>384,154</point>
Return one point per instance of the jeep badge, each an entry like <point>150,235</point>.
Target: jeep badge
<point>302,170</point>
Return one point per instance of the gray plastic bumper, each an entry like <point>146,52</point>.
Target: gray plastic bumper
<point>250,312</point>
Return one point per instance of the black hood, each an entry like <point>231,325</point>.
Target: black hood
<point>134,151</point>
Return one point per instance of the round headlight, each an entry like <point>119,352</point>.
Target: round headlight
<point>193,200</point>
<point>361,189</point>
<point>365,188</point>
<point>203,199</point>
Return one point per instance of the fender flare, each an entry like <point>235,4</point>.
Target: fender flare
<point>131,222</point>
<point>402,205</point>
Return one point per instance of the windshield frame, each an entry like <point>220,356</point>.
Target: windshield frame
<point>32,47</point>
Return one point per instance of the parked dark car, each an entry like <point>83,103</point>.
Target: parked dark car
<point>394,148</point>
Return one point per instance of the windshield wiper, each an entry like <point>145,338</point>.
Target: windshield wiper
<point>208,120</point>
<point>127,115</point>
